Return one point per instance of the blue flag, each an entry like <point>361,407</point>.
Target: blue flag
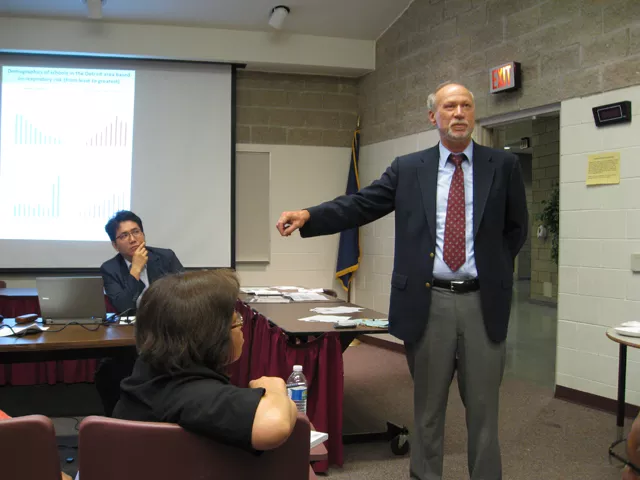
<point>349,248</point>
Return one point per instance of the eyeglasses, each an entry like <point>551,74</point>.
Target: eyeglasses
<point>239,321</point>
<point>136,232</point>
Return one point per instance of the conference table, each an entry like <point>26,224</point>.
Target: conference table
<point>286,316</point>
<point>275,340</point>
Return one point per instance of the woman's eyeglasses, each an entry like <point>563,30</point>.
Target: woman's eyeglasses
<point>239,321</point>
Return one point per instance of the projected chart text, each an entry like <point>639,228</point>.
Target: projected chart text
<point>66,143</point>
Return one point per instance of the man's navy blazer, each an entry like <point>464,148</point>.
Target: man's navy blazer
<point>123,289</point>
<point>408,187</point>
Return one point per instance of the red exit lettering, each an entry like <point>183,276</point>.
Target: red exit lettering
<point>501,77</point>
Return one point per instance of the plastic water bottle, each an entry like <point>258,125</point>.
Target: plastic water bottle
<point>297,388</point>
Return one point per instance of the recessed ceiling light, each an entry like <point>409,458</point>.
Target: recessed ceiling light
<point>278,14</point>
<point>94,8</point>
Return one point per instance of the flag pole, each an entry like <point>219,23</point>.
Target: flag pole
<point>354,273</point>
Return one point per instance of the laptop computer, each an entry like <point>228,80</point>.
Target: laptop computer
<point>71,299</point>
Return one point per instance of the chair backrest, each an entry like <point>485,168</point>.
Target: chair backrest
<point>111,448</point>
<point>3,284</point>
<point>29,450</point>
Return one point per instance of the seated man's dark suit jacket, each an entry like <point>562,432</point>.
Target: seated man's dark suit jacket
<point>408,187</point>
<point>123,289</point>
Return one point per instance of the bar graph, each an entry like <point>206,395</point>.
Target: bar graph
<point>106,208</point>
<point>52,210</point>
<point>25,133</point>
<point>115,134</point>
<point>66,151</point>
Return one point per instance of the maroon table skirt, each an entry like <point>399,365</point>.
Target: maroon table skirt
<point>266,352</point>
<point>63,371</point>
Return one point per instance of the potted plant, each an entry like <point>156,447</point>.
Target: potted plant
<point>550,218</point>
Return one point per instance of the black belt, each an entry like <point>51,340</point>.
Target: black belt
<point>458,286</point>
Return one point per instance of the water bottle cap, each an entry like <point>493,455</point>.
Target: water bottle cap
<point>297,368</point>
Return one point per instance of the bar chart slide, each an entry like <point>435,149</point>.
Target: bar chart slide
<point>66,151</point>
<point>48,210</point>
<point>115,134</point>
<point>27,134</point>
<point>106,208</point>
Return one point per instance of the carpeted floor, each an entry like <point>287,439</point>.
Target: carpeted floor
<point>541,437</point>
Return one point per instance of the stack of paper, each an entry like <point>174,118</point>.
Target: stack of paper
<point>269,299</point>
<point>324,318</point>
<point>307,297</point>
<point>336,310</point>
<point>318,437</point>
<point>311,290</point>
<point>127,320</point>
<point>259,291</point>
<point>5,331</point>
<point>251,289</point>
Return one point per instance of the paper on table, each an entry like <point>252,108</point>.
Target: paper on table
<point>32,327</point>
<point>266,291</point>
<point>331,310</point>
<point>375,322</point>
<point>127,320</point>
<point>324,318</point>
<point>268,299</point>
<point>317,438</point>
<point>306,297</point>
<point>252,289</point>
<point>289,288</point>
<point>311,290</point>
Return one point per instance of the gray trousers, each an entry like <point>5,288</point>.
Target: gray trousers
<point>455,339</point>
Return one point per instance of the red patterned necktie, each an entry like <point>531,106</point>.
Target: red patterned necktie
<point>454,250</point>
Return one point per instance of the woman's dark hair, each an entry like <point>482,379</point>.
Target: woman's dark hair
<point>122,216</point>
<point>185,320</point>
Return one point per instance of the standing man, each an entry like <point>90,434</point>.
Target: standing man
<point>460,220</point>
<point>126,276</point>
<point>136,266</point>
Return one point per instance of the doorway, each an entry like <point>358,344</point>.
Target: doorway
<point>534,137</point>
<point>535,140</point>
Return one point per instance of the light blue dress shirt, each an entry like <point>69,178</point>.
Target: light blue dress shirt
<point>446,169</point>
<point>144,276</point>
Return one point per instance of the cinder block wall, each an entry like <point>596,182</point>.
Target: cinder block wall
<point>279,109</point>
<point>567,48</point>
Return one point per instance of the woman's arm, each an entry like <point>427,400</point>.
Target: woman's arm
<point>275,416</point>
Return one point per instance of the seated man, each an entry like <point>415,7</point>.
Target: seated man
<point>125,277</point>
<point>187,333</point>
<point>136,266</point>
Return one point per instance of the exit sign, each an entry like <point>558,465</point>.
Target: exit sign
<point>505,77</point>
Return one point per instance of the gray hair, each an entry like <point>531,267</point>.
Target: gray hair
<point>431,99</point>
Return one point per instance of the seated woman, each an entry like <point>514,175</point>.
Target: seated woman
<point>187,332</point>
